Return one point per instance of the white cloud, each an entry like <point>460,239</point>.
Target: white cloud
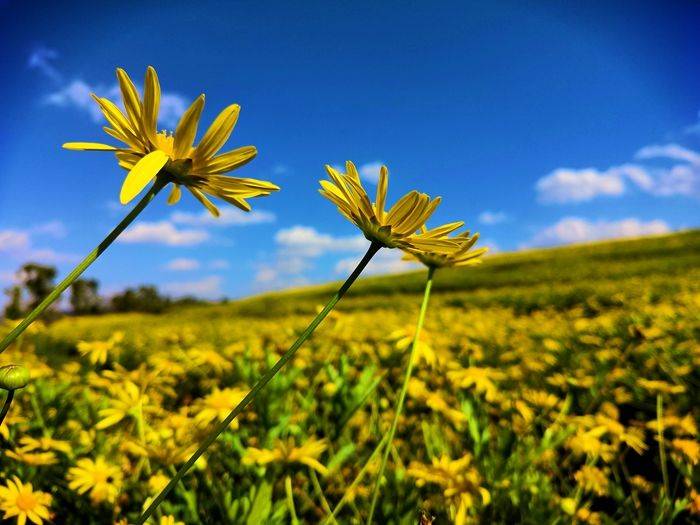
<point>283,272</point>
<point>370,171</point>
<point>668,151</point>
<point>385,261</point>
<point>492,217</point>
<point>206,288</point>
<point>182,264</point>
<point>228,217</point>
<point>571,185</point>
<point>281,170</point>
<point>13,240</point>
<point>18,244</point>
<point>575,229</point>
<point>163,232</point>
<point>305,241</point>
<point>219,264</point>
<point>54,229</point>
<point>41,59</point>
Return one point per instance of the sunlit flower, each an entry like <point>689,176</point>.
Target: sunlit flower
<point>391,228</point>
<point>170,520</point>
<point>36,459</point>
<point>592,479</point>
<point>218,405</point>
<point>98,351</point>
<point>460,481</point>
<point>148,152</point>
<point>20,500</point>
<point>100,478</point>
<point>458,254</point>
<point>127,402</point>
<point>287,452</point>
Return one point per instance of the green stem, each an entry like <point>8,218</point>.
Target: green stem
<point>264,380</point>
<point>360,476</point>
<point>6,406</point>
<point>662,446</point>
<point>402,395</point>
<point>319,492</point>
<point>78,270</point>
<point>290,500</point>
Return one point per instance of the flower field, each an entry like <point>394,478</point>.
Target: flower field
<point>550,386</point>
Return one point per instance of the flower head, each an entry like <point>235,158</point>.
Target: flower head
<point>287,452</point>
<point>98,477</point>
<point>21,500</point>
<point>393,228</point>
<point>148,152</point>
<point>459,253</point>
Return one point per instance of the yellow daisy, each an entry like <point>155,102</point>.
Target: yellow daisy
<point>393,228</point>
<point>218,404</point>
<point>149,153</point>
<point>100,478</point>
<point>287,452</point>
<point>458,254</point>
<point>20,500</point>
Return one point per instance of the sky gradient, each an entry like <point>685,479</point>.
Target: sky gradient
<point>539,124</point>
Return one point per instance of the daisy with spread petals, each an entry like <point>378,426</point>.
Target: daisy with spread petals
<point>435,249</point>
<point>20,500</point>
<point>394,228</point>
<point>167,158</point>
<point>101,479</point>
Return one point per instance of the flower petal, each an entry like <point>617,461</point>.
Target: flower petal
<point>130,96</point>
<point>229,160</point>
<point>218,133</point>
<point>187,128</point>
<point>381,193</point>
<point>151,104</point>
<point>141,174</point>
<point>175,195</point>
<point>206,202</point>
<point>89,146</point>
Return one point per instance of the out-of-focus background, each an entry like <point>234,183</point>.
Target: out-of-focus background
<point>554,383</point>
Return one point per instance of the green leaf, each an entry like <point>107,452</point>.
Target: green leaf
<point>262,504</point>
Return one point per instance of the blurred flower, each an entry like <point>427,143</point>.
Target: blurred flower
<point>391,229</point>
<point>287,452</point>
<point>128,401</point>
<point>457,254</point>
<point>149,152</point>
<point>20,500</point>
<point>100,478</point>
<point>218,405</point>
<point>592,479</point>
<point>98,351</point>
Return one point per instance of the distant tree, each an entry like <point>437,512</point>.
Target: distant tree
<point>84,298</point>
<point>142,299</point>
<point>38,280</point>
<point>13,309</point>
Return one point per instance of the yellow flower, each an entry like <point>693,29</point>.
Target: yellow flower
<point>391,228</point>
<point>457,254</point>
<point>306,454</point>
<point>170,520</point>
<point>20,500</point>
<point>36,459</point>
<point>128,401</point>
<point>218,405</point>
<point>460,482</point>
<point>148,152</point>
<point>98,351</point>
<point>690,448</point>
<point>102,479</point>
<point>592,479</point>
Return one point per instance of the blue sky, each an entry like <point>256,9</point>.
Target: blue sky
<point>538,123</point>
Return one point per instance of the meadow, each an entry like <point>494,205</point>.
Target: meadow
<point>551,386</point>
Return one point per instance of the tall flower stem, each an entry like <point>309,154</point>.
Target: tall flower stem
<point>6,406</point>
<point>402,394</point>
<point>264,380</point>
<point>84,264</point>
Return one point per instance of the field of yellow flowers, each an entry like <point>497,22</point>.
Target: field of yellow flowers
<point>552,386</point>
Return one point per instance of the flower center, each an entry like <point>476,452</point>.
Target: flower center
<point>164,141</point>
<point>25,501</point>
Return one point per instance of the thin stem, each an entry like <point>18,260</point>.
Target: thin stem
<point>290,500</point>
<point>83,265</point>
<point>6,406</point>
<point>662,446</point>
<point>264,380</point>
<point>402,395</point>
<point>355,482</point>
<point>319,492</point>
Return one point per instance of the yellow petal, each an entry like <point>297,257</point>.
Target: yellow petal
<point>89,146</point>
<point>141,174</point>
<point>175,195</point>
<point>381,193</point>
<point>206,202</point>
<point>229,160</point>
<point>187,128</point>
<point>151,104</point>
<point>218,133</point>
<point>130,96</point>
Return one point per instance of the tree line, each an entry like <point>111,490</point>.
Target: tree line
<point>35,281</point>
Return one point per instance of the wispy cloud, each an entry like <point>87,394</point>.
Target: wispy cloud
<point>386,261</point>
<point>492,217</point>
<point>163,232</point>
<point>75,92</point>
<point>306,241</point>
<point>575,229</point>
<point>19,244</point>
<point>681,177</point>
<point>182,264</point>
<point>219,264</point>
<point>228,217</point>
<point>205,288</point>
<point>370,171</point>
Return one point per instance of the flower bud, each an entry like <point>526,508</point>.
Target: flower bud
<point>13,377</point>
